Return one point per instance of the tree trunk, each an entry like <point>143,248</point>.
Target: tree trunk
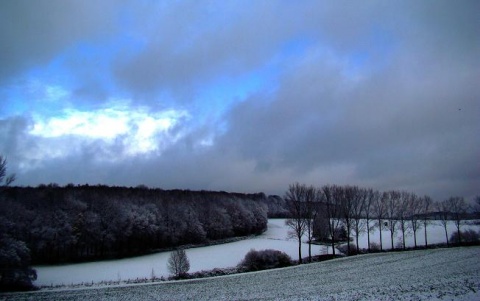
<point>380,230</point>
<point>446,234</point>
<point>300,251</point>
<point>348,238</point>
<point>368,235</point>
<point>425,227</point>
<point>459,235</point>
<point>309,250</point>
<point>356,238</point>
<point>415,237</point>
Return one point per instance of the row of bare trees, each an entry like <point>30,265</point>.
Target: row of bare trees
<point>323,214</point>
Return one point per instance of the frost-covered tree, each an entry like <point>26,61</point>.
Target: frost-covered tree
<point>15,271</point>
<point>178,264</point>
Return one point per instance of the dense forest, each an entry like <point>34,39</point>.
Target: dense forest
<point>78,223</point>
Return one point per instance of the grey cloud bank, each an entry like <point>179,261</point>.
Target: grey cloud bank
<point>383,95</point>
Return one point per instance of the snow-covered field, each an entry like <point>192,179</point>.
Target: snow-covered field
<point>206,258</point>
<point>435,274</point>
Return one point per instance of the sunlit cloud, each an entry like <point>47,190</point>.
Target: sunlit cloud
<point>138,130</point>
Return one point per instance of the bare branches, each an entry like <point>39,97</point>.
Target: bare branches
<point>3,172</point>
<point>178,263</point>
<point>295,198</point>
<point>344,211</point>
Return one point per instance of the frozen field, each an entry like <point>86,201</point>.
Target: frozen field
<point>205,258</point>
<point>437,274</point>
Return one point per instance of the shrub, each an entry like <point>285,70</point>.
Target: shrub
<point>264,259</point>
<point>374,247</point>
<point>344,249</point>
<point>467,237</point>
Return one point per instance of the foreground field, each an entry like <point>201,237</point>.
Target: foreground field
<point>439,274</point>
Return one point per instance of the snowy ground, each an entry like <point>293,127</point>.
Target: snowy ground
<point>435,274</point>
<point>206,258</point>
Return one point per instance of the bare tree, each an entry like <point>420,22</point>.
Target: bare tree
<point>426,207</point>
<point>321,224</point>
<point>391,212</point>
<point>347,200</point>
<point>415,207</point>
<point>6,180</point>
<point>402,213</point>
<point>295,197</point>
<point>380,209</point>
<point>332,195</point>
<point>444,214</point>
<point>476,206</point>
<point>357,211</point>
<point>178,263</point>
<point>371,197</point>
<point>458,209</point>
<point>312,202</point>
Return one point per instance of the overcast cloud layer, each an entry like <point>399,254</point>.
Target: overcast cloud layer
<point>243,95</point>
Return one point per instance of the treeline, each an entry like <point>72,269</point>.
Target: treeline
<point>77,223</point>
<point>334,214</point>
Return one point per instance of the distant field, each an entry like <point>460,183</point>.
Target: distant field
<point>437,274</point>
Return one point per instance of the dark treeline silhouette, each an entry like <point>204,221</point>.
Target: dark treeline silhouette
<point>79,223</point>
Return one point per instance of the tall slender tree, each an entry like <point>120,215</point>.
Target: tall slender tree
<point>312,202</point>
<point>444,214</point>
<point>358,212</point>
<point>333,196</point>
<point>415,207</point>
<point>426,208</point>
<point>458,209</point>
<point>403,213</point>
<point>379,209</point>
<point>391,213</point>
<point>371,197</point>
<point>295,200</point>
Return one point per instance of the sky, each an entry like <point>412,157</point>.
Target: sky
<point>243,96</point>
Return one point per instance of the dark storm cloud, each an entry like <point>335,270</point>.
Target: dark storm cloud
<point>33,32</point>
<point>377,94</point>
<point>189,42</point>
<point>406,126</point>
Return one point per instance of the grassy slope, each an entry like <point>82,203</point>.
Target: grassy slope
<point>418,275</point>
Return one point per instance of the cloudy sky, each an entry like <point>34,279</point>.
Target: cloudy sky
<point>242,95</point>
